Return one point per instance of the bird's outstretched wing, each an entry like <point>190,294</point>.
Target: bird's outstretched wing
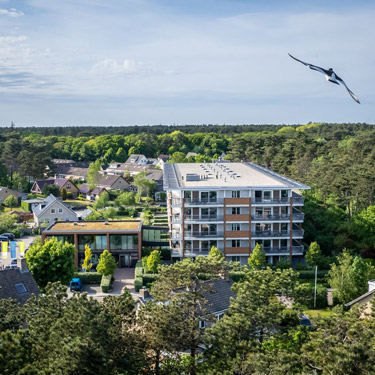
<point>349,91</point>
<point>313,67</point>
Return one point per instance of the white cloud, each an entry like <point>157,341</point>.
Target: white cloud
<point>112,66</point>
<point>12,39</point>
<point>11,12</point>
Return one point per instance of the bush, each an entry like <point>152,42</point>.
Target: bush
<point>138,272</point>
<point>237,275</point>
<point>138,283</point>
<point>69,195</point>
<point>106,283</point>
<point>304,295</point>
<point>310,274</point>
<point>89,277</point>
<point>148,278</point>
<point>25,206</point>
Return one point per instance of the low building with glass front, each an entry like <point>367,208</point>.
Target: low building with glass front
<point>121,238</point>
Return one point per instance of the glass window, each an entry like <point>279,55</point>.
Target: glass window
<point>204,213</point>
<point>123,241</point>
<point>187,194</point>
<point>213,196</point>
<point>235,243</point>
<point>60,210</point>
<point>235,210</point>
<point>236,194</point>
<point>236,227</point>
<point>53,210</point>
<point>20,287</point>
<point>267,195</point>
<point>204,196</point>
<point>94,242</point>
<point>259,211</point>
<point>236,258</point>
<point>284,226</point>
<point>284,193</point>
<point>212,212</point>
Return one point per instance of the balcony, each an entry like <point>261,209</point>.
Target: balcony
<point>237,250</point>
<point>278,233</point>
<point>237,234</point>
<point>283,249</point>
<point>192,234</point>
<point>282,217</point>
<point>237,218</point>
<point>197,202</point>
<point>237,201</point>
<point>204,218</point>
<point>177,252</point>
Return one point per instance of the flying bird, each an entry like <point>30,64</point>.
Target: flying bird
<point>331,76</point>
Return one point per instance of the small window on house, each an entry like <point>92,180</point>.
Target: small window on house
<point>236,243</point>
<point>60,210</point>
<point>202,324</point>
<point>236,258</point>
<point>235,210</point>
<point>236,194</point>
<point>20,287</point>
<point>68,186</point>
<point>53,210</point>
<point>236,227</point>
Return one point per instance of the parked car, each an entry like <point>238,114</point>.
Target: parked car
<point>76,285</point>
<point>9,235</point>
<point>304,321</point>
<point>4,239</point>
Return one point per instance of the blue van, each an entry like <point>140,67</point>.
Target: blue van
<point>76,285</point>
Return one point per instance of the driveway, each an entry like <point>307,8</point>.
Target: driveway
<point>27,240</point>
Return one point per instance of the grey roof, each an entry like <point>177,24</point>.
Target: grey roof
<point>360,298</point>
<point>60,181</point>
<point>51,199</point>
<point>62,161</point>
<point>66,169</point>
<point>16,193</point>
<point>223,176</point>
<point>108,181</point>
<point>41,183</point>
<point>8,280</point>
<point>137,157</point>
<point>219,297</point>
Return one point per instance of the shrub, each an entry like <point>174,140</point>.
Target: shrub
<point>25,206</point>
<point>138,283</point>
<point>153,261</point>
<point>304,295</point>
<point>106,283</point>
<point>138,272</point>
<point>89,277</point>
<point>107,264</point>
<point>310,274</point>
<point>148,278</point>
<point>237,275</point>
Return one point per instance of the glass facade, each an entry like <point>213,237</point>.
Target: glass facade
<point>156,235</point>
<point>123,241</point>
<point>94,242</point>
<point>63,239</point>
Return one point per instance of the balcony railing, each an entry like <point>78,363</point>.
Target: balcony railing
<point>204,218</point>
<point>279,233</point>
<point>283,249</point>
<point>189,252</point>
<point>295,216</point>
<point>176,235</point>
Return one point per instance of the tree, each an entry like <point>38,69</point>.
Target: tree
<point>64,194</point>
<point>215,254</point>
<point>102,201</point>
<point>7,222</point>
<point>109,213</point>
<point>51,189</point>
<point>53,261</point>
<point>93,174</point>
<point>87,261</point>
<point>107,264</point>
<point>257,259</point>
<point>177,157</point>
<point>153,261</point>
<point>126,198</point>
<point>349,277</point>
<point>313,255</point>
<point>11,202</point>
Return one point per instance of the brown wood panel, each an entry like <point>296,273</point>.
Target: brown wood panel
<point>232,201</point>
<point>240,217</point>
<point>237,234</point>
<point>237,250</point>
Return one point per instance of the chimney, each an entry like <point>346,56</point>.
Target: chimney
<point>371,285</point>
<point>22,265</point>
<point>144,293</point>
<point>106,222</point>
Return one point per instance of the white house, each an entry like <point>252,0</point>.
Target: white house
<point>137,159</point>
<point>51,210</point>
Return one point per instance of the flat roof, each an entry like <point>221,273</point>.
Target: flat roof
<point>223,175</point>
<point>94,226</point>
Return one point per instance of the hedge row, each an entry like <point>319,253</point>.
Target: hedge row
<point>89,277</point>
<point>237,275</point>
<point>106,283</point>
<point>310,274</point>
<point>148,278</point>
<point>138,283</point>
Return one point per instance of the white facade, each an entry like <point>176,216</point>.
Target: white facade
<point>233,213</point>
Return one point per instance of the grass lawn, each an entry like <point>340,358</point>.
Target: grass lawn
<point>78,203</point>
<point>316,313</point>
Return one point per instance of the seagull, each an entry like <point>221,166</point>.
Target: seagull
<point>331,76</point>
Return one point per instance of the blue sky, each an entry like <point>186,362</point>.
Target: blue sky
<point>124,62</point>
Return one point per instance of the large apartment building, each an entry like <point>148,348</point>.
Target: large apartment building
<point>233,206</point>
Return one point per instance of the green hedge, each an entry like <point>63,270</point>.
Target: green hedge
<point>304,295</point>
<point>310,274</point>
<point>138,283</point>
<point>106,283</point>
<point>148,278</point>
<point>237,275</point>
<point>25,206</point>
<point>89,277</point>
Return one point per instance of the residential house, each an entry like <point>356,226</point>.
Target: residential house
<point>190,154</point>
<point>69,186</point>
<point>120,168</point>
<point>137,159</point>
<point>70,169</point>
<point>162,159</point>
<point>218,296</point>
<point>365,299</point>
<point>5,192</point>
<point>91,194</point>
<point>18,283</point>
<point>233,206</point>
<point>52,209</point>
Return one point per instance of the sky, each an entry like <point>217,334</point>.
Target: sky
<point>128,62</point>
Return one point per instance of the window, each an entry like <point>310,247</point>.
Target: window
<point>213,196</point>
<point>68,186</point>
<point>267,195</point>
<point>236,227</point>
<point>53,210</point>
<point>236,194</point>
<point>94,242</point>
<point>202,324</point>
<point>20,287</point>
<point>187,194</point>
<point>236,258</point>
<point>204,196</point>
<point>123,241</point>
<point>60,210</point>
<point>236,243</point>
<point>235,210</point>
<point>284,226</point>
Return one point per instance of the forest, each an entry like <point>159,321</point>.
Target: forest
<point>336,160</point>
